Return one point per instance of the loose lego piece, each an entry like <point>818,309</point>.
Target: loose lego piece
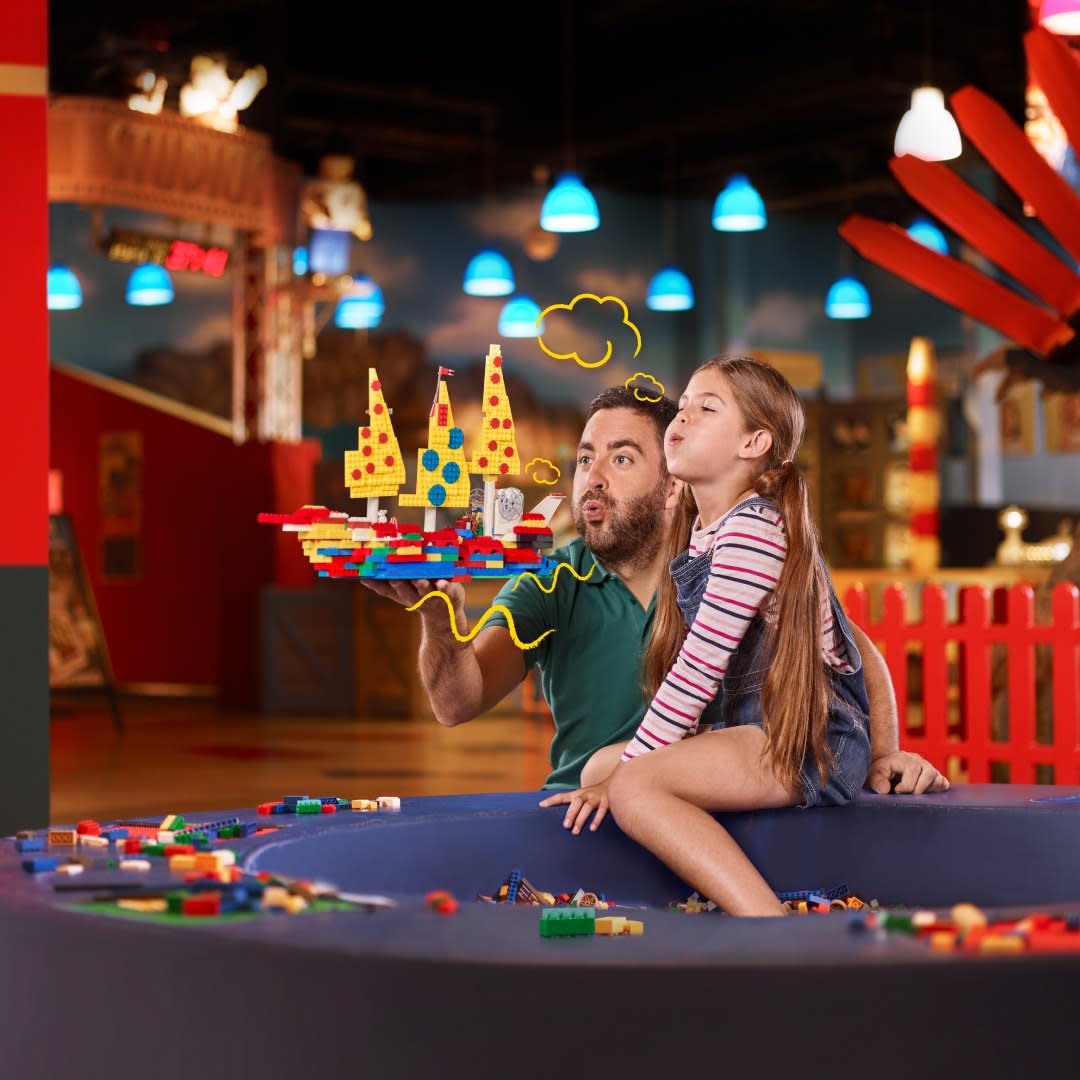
<point>71,868</point>
<point>967,917</point>
<point>39,864</point>
<point>63,837</point>
<point>388,802</point>
<point>30,843</point>
<point>135,865</point>
<point>88,828</point>
<point>567,922</point>
<point>365,804</point>
<point>441,902</point>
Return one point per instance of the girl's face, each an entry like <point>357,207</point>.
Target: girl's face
<point>708,435</point>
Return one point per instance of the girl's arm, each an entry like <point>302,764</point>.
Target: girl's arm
<point>745,566</point>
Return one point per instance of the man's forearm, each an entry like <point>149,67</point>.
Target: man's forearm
<point>451,676</point>
<point>884,725</point>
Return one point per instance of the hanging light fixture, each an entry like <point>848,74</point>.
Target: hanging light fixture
<point>1061,17</point>
<point>847,299</point>
<point>300,265</point>
<point>739,208</point>
<point>929,235</point>
<point>488,274</point>
<point>518,317</point>
<point>149,286</point>
<point>670,290</point>
<point>928,130</point>
<point>64,290</point>
<point>569,206</point>
<point>362,308</point>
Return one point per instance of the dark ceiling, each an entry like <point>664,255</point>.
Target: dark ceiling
<point>644,96</point>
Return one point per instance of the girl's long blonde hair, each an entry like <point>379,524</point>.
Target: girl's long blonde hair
<point>795,698</point>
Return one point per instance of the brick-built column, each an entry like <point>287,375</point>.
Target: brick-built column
<point>24,419</point>
<point>924,426</point>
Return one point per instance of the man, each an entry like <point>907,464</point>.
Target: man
<point>622,502</point>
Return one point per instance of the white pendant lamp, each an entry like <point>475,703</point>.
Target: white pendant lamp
<point>928,130</point>
<point>1061,17</point>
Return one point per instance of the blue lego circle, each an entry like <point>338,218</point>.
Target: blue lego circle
<point>430,460</point>
<point>451,472</point>
<point>457,438</point>
<point>436,495</point>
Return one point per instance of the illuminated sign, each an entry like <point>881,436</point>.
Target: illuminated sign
<point>124,245</point>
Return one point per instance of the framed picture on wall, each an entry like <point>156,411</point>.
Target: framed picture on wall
<point>1061,413</point>
<point>1016,417</point>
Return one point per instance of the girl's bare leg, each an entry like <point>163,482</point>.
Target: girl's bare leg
<point>663,800</point>
<point>599,766</point>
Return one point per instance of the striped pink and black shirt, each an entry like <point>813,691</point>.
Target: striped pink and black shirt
<point>747,547</point>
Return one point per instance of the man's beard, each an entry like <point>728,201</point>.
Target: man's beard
<point>632,532</point>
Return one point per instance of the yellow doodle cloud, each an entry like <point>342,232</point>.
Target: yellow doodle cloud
<point>550,464</point>
<point>570,307</point>
<point>555,577</point>
<point>644,375</point>
<point>483,618</point>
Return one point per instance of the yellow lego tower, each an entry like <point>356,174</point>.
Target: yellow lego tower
<point>497,452</point>
<point>377,467</point>
<point>442,473</point>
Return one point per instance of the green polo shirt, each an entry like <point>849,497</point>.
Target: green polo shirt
<point>590,668</point>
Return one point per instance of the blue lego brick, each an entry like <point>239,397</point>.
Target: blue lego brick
<point>330,799</point>
<point>281,808</point>
<point>31,843</point>
<point>248,828</point>
<point>114,834</point>
<point>292,800</point>
<point>40,864</point>
<point>513,883</point>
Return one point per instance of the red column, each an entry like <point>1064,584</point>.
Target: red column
<point>24,417</point>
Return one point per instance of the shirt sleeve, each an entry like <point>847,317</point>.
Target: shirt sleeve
<point>533,613</point>
<point>746,561</point>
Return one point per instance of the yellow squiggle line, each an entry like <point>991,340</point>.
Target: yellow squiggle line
<point>555,578</point>
<point>501,608</point>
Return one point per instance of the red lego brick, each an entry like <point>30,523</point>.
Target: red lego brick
<point>88,828</point>
<point>208,903</point>
<point>329,808</point>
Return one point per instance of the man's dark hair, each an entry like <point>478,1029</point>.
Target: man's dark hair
<point>661,412</point>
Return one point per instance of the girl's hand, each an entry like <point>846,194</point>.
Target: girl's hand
<point>582,803</point>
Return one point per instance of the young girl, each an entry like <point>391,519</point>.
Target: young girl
<point>766,677</point>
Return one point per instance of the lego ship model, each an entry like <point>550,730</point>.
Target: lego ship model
<point>1044,328</point>
<point>497,540</point>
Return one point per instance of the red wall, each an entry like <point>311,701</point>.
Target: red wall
<point>193,615</point>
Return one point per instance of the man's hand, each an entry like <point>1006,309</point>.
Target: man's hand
<point>407,592</point>
<point>582,803</point>
<point>904,773</point>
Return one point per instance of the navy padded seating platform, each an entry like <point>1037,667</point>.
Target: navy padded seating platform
<point>409,993</point>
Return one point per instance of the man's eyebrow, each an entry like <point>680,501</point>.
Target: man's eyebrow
<point>585,446</point>
<point>617,444</point>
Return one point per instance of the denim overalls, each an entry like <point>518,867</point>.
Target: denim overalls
<point>738,699</point>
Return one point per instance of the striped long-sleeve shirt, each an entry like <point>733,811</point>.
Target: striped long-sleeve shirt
<point>747,548</point>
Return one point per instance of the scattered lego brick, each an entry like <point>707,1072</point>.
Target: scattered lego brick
<point>567,922</point>
<point>63,837</point>
<point>135,865</point>
<point>441,902</point>
<point>40,864</point>
<point>29,843</point>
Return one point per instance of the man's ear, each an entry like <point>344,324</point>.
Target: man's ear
<point>757,444</point>
<point>673,492</point>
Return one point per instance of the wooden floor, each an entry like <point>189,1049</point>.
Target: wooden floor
<point>178,756</point>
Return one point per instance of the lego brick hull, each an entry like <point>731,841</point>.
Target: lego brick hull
<point>409,992</point>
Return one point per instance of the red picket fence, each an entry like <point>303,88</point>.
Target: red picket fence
<point>953,714</point>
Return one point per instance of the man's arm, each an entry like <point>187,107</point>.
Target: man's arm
<point>891,769</point>
<point>462,679</point>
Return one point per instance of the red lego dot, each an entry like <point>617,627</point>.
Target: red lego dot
<point>506,422</point>
<point>497,361</point>
<point>494,421</point>
<point>378,408</point>
<point>367,451</point>
<point>365,433</point>
<point>376,385</point>
<point>504,468</point>
<point>495,376</point>
<point>493,400</point>
<point>356,474</point>
<point>482,462</point>
<point>493,445</point>
<point>389,459</point>
<point>509,451</point>
<point>370,466</point>
<point>383,437</point>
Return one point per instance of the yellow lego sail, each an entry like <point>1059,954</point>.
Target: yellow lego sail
<point>442,473</point>
<point>376,467</point>
<point>497,453</point>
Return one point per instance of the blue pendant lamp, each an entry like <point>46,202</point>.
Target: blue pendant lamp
<point>488,274</point>
<point>149,285</point>
<point>929,235</point>
<point>518,318</point>
<point>670,290</point>
<point>739,208</point>
<point>847,299</point>
<point>363,308</point>
<point>64,290</point>
<point>569,207</point>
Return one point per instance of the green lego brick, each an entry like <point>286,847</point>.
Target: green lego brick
<point>567,922</point>
<point>309,806</point>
